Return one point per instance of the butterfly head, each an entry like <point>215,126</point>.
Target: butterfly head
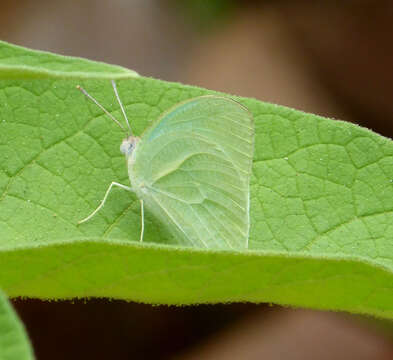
<point>128,145</point>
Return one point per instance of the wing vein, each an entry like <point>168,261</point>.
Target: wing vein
<point>171,218</point>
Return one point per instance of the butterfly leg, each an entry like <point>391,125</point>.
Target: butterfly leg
<point>104,199</point>
<point>143,221</point>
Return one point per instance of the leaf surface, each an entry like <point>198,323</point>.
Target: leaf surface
<point>14,344</point>
<point>321,201</point>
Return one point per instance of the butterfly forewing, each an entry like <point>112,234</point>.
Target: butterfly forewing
<point>192,169</point>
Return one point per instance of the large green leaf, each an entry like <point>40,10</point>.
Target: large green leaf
<point>321,201</point>
<point>19,62</point>
<point>14,344</point>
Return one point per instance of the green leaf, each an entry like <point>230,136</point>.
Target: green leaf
<point>14,343</point>
<point>321,202</point>
<point>19,62</point>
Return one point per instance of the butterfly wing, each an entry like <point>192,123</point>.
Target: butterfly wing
<point>192,169</point>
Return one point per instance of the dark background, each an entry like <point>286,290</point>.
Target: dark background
<point>333,58</point>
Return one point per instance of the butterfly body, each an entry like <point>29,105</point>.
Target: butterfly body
<point>192,172</point>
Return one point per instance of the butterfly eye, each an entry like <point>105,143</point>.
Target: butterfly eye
<point>125,147</point>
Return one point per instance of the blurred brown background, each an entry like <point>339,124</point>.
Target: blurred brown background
<point>332,58</point>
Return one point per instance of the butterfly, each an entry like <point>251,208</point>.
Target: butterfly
<point>191,170</point>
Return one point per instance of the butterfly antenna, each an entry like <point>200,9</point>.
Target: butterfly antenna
<point>84,92</point>
<point>121,106</point>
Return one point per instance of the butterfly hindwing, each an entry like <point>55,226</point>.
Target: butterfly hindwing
<point>192,169</point>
